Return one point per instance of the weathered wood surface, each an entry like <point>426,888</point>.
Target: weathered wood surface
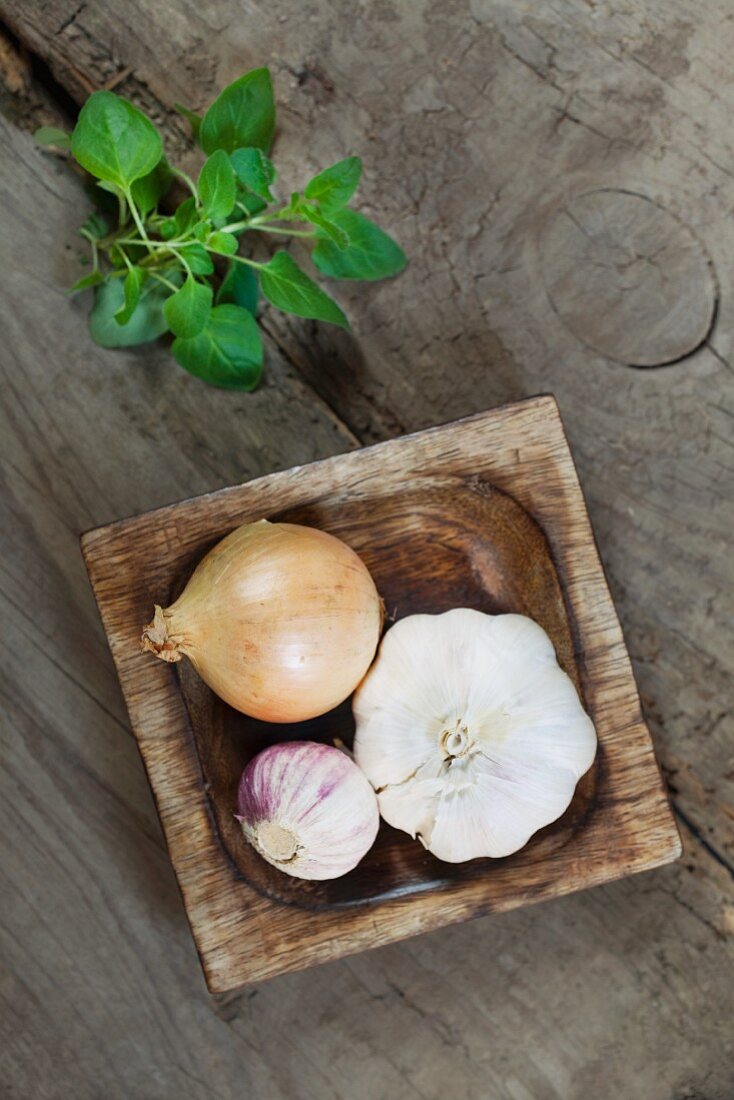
<point>407,498</point>
<point>479,124</point>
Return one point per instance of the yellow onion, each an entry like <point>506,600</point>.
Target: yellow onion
<point>281,621</point>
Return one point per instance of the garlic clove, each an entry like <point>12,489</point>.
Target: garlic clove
<point>478,808</point>
<point>507,655</point>
<point>412,807</point>
<point>404,701</point>
<point>497,809</point>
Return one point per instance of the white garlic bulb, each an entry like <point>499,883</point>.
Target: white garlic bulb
<point>471,734</point>
<point>307,809</point>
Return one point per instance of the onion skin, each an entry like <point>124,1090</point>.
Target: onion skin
<point>307,809</point>
<point>281,621</point>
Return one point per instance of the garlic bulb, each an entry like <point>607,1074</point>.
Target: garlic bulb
<point>471,734</point>
<point>307,809</point>
<point>279,620</point>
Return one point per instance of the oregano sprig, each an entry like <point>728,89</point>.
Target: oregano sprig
<point>184,272</point>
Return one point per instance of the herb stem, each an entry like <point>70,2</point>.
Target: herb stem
<point>188,181</point>
<point>137,219</point>
<point>178,243</point>
<point>157,259</point>
<point>243,260</point>
<point>122,213</point>
<point>162,279</point>
<point>234,227</point>
<point>284,232</point>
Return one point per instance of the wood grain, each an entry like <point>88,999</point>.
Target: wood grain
<point>629,280</point>
<point>477,123</point>
<point>243,934</point>
<point>488,126</point>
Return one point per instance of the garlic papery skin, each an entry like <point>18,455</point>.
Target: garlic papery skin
<point>470,732</point>
<point>307,809</point>
<point>281,621</point>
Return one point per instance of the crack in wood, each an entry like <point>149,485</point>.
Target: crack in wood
<point>696,831</point>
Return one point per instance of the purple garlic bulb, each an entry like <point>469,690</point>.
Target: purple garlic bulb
<point>307,809</point>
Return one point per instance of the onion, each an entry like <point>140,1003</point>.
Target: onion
<point>281,621</point>
<point>307,809</point>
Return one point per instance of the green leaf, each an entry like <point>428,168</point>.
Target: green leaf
<point>251,204</point>
<point>168,228</point>
<point>202,230</point>
<point>243,114</point>
<point>51,135</point>
<point>191,117</point>
<point>289,288</point>
<point>255,171</point>
<point>116,255</point>
<point>114,140</point>
<point>227,353</point>
<point>371,253</point>
<point>224,243</point>
<point>95,278</point>
<point>137,252</point>
<point>131,288</point>
<point>186,215</point>
<point>147,322</point>
<point>239,287</point>
<point>293,208</point>
<point>216,186</point>
<point>334,187</point>
<point>301,209</point>
<point>96,226</point>
<point>103,199</point>
<point>149,190</point>
<point>197,258</point>
<point>328,228</point>
<point>188,309</point>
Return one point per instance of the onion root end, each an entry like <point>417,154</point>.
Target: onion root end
<point>156,639</point>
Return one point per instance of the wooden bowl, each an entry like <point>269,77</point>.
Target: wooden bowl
<point>484,513</point>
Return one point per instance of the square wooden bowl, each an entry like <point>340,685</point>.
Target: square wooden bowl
<point>487,513</point>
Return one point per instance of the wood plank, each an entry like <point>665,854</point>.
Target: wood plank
<point>634,101</point>
<point>625,989</point>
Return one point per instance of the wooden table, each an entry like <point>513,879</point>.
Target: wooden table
<point>562,178</point>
